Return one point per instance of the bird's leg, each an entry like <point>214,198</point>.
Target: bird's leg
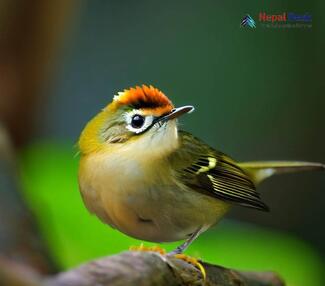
<point>181,248</point>
<point>178,252</point>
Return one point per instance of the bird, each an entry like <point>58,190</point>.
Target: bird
<point>144,176</point>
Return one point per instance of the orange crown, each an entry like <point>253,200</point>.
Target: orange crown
<point>149,99</point>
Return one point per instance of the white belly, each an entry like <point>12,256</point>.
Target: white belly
<point>142,207</point>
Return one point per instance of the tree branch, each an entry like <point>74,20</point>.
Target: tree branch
<point>148,268</point>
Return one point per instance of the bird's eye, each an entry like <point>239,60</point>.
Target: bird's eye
<point>137,121</point>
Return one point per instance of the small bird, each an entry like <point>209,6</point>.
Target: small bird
<point>143,176</point>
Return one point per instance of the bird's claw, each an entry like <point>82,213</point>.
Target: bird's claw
<point>157,249</point>
<point>193,261</point>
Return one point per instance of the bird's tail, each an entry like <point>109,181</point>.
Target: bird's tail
<point>259,171</point>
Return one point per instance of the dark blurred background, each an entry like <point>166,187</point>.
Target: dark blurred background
<point>258,93</point>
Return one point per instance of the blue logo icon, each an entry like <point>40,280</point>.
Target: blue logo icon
<point>248,21</point>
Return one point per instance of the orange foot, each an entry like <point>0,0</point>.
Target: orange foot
<point>141,247</point>
<point>192,261</point>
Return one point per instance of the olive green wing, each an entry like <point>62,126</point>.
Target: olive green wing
<point>213,173</point>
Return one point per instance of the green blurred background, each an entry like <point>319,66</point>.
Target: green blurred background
<point>258,93</point>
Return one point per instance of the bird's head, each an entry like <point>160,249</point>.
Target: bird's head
<point>142,116</point>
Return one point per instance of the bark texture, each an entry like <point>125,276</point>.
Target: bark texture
<point>136,268</point>
<point>148,268</point>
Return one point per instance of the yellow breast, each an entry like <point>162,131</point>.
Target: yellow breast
<point>142,199</point>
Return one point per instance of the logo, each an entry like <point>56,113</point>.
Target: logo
<point>284,17</point>
<point>248,21</point>
<point>263,17</point>
<point>278,20</point>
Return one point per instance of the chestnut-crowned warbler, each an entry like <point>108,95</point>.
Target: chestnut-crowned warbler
<point>143,176</point>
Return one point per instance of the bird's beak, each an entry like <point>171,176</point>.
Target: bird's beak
<point>176,112</point>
